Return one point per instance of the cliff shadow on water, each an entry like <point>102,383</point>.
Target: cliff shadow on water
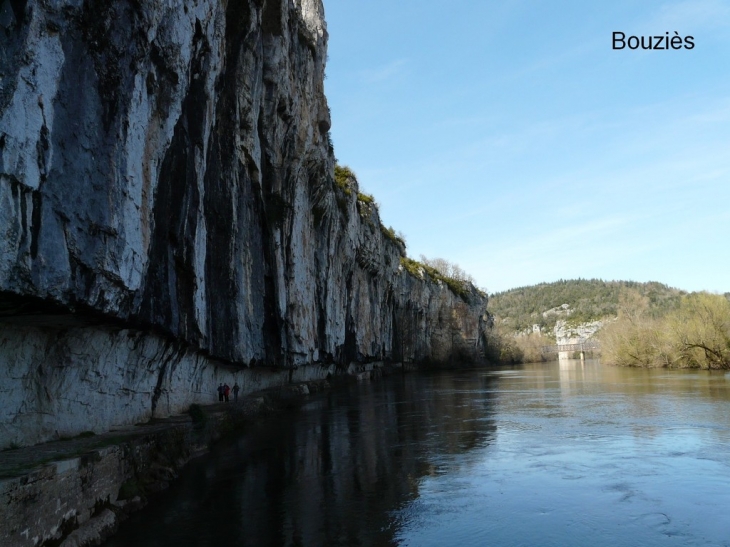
<point>342,472</point>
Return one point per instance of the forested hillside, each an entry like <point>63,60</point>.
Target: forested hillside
<point>589,299</point>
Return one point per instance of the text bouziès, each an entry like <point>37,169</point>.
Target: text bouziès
<point>620,41</point>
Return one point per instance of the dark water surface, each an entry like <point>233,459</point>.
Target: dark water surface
<point>539,455</point>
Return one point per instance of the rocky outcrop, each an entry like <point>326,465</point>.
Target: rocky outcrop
<point>169,216</point>
<point>566,333</point>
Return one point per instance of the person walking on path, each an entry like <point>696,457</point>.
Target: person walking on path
<point>220,393</point>
<point>236,389</point>
<point>226,391</point>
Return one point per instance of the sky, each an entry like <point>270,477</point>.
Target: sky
<point>510,137</point>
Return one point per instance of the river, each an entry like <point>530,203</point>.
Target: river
<point>552,454</point>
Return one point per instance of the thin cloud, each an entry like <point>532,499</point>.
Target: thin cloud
<point>383,73</point>
<point>694,15</point>
<point>575,236</point>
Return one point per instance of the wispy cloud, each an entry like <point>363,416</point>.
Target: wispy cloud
<point>583,250</point>
<point>567,239</point>
<point>694,15</point>
<point>384,72</point>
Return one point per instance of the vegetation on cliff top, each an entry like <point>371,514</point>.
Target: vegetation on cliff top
<point>346,180</point>
<point>390,233</point>
<point>437,269</point>
<point>442,270</point>
<point>343,176</point>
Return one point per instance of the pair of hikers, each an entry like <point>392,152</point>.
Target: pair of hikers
<point>224,391</point>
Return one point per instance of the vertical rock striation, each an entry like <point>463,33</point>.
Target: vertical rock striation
<point>168,209</point>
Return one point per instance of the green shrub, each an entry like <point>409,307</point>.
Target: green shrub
<point>390,234</point>
<point>457,287</point>
<point>343,176</point>
<point>413,267</point>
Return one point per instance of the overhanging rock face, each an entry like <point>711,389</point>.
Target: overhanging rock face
<point>166,173</point>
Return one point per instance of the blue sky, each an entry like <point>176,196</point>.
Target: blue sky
<point>510,138</point>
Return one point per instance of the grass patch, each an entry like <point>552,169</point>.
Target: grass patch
<point>365,198</point>
<point>457,287</point>
<point>343,176</point>
<point>413,267</point>
<point>390,234</point>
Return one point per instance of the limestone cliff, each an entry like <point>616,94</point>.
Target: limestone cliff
<point>169,216</point>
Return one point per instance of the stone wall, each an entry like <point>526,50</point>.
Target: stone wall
<point>79,499</point>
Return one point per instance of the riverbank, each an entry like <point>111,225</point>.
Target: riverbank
<point>696,334</point>
<point>74,492</point>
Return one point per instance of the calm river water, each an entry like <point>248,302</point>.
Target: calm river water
<point>537,455</point>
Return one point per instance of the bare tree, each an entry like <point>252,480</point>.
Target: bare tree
<point>447,269</point>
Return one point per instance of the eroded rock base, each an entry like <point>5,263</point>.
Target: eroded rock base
<point>96,481</point>
<point>59,382</point>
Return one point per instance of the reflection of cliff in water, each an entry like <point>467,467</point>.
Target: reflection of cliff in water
<point>332,474</point>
